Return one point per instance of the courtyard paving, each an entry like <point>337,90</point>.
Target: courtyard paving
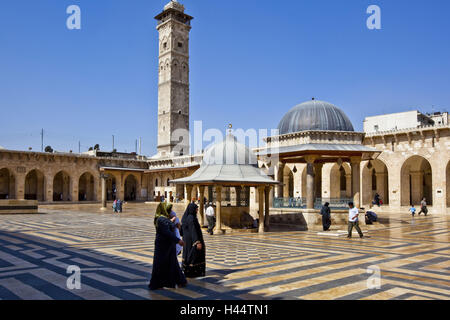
<point>115,254</point>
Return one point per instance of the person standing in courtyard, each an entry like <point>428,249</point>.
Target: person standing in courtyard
<point>353,221</point>
<point>423,207</point>
<point>166,270</point>
<point>115,206</point>
<point>173,217</point>
<point>211,217</point>
<point>326,216</point>
<point>194,253</point>
<point>412,210</point>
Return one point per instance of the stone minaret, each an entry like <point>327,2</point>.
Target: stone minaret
<point>173,88</point>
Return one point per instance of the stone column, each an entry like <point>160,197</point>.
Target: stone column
<point>355,163</point>
<point>218,227</point>
<point>49,189</point>
<point>238,196</point>
<point>75,183</point>
<point>267,207</point>
<point>348,185</point>
<point>103,179</point>
<point>188,193</point>
<point>202,205</point>
<point>261,209</point>
<point>310,181</point>
<point>318,179</point>
<point>280,177</point>
<point>20,186</point>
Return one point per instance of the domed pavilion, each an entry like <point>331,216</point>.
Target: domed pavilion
<point>315,135</point>
<point>231,166</point>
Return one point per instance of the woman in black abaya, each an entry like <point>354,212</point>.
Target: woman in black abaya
<point>166,269</point>
<point>194,247</point>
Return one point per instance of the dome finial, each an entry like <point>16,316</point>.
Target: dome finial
<point>230,130</point>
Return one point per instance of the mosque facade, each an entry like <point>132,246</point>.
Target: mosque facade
<point>402,158</point>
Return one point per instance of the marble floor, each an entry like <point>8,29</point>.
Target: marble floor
<point>115,254</point>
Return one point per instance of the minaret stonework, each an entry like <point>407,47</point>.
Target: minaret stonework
<point>173,87</point>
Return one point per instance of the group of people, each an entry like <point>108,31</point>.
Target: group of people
<point>353,218</point>
<point>117,206</point>
<point>172,237</point>
<point>423,208</point>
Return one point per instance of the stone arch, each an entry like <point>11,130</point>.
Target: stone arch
<point>447,184</point>
<point>288,180</point>
<point>62,186</point>
<point>7,184</point>
<point>416,181</point>
<point>35,185</point>
<point>375,179</point>
<point>111,187</point>
<point>86,187</point>
<point>130,185</point>
<point>340,184</point>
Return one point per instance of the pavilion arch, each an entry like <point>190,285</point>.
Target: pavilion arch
<point>340,183</point>
<point>375,179</point>
<point>416,181</point>
<point>62,185</point>
<point>35,185</point>
<point>86,187</point>
<point>7,184</point>
<point>131,184</point>
<point>447,183</point>
<point>288,178</point>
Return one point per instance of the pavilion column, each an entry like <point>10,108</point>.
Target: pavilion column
<point>280,177</point>
<point>261,208</point>
<point>318,179</point>
<point>103,179</point>
<point>267,192</point>
<point>348,185</point>
<point>188,193</point>
<point>218,228</point>
<point>310,181</point>
<point>355,163</point>
<point>238,196</point>
<point>202,205</point>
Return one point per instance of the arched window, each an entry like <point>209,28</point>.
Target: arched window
<point>156,182</point>
<point>168,181</point>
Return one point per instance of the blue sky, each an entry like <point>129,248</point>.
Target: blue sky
<point>251,61</point>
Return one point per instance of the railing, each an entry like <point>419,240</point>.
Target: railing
<point>300,203</point>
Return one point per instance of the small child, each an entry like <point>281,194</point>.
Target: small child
<point>412,210</point>
<point>176,221</point>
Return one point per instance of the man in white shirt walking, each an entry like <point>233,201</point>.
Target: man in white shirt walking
<point>211,217</point>
<point>353,221</point>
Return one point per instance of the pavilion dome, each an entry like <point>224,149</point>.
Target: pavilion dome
<point>315,115</point>
<point>229,152</point>
<point>228,162</point>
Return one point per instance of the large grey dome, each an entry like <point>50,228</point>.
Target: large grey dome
<point>315,115</point>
